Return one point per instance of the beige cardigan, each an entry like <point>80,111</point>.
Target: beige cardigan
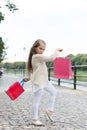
<point>39,77</point>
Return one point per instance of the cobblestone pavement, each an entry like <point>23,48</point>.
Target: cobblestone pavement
<point>70,109</point>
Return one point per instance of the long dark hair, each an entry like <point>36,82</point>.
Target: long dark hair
<point>32,52</point>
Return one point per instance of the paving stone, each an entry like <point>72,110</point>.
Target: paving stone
<point>70,109</point>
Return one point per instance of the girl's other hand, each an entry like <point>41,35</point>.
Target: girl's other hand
<point>60,49</point>
<point>26,79</point>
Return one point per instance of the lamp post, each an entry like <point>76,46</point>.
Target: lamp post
<point>15,64</point>
<point>24,62</point>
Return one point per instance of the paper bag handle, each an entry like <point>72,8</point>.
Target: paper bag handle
<point>22,82</point>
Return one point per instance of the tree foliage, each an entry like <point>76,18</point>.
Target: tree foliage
<point>1,17</point>
<point>2,50</point>
<point>15,65</point>
<point>79,59</point>
<point>12,7</point>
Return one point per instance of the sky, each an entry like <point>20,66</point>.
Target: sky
<point>60,23</point>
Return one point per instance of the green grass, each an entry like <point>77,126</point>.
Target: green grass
<point>81,75</point>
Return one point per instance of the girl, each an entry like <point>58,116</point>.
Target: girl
<point>39,78</point>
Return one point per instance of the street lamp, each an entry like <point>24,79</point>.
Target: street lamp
<point>15,63</point>
<point>24,62</point>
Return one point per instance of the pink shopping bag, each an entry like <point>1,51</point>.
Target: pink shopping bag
<point>15,90</point>
<point>62,68</point>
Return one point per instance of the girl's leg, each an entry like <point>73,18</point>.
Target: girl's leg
<point>36,102</point>
<point>53,91</point>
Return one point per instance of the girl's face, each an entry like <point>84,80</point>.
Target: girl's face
<point>41,48</point>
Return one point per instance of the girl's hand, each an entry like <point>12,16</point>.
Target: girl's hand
<point>26,79</point>
<point>59,49</point>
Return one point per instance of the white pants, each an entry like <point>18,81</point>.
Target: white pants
<point>37,97</point>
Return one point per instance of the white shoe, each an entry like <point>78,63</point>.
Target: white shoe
<point>37,123</point>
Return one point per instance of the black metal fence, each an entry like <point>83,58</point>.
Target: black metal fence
<point>75,76</point>
<point>74,81</point>
<point>17,72</point>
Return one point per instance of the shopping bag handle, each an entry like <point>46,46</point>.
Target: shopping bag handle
<point>22,82</point>
<point>61,54</point>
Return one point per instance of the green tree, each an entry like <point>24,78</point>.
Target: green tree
<point>1,41</point>
<point>2,50</point>
<point>1,17</point>
<point>79,59</point>
<point>12,7</point>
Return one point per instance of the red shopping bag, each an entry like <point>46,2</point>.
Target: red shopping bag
<point>15,90</point>
<point>62,68</point>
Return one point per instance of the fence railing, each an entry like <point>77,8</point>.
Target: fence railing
<point>17,72</point>
<point>74,80</point>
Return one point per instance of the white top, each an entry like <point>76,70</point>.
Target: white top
<point>39,77</point>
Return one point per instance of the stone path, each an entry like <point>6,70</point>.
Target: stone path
<point>70,109</point>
